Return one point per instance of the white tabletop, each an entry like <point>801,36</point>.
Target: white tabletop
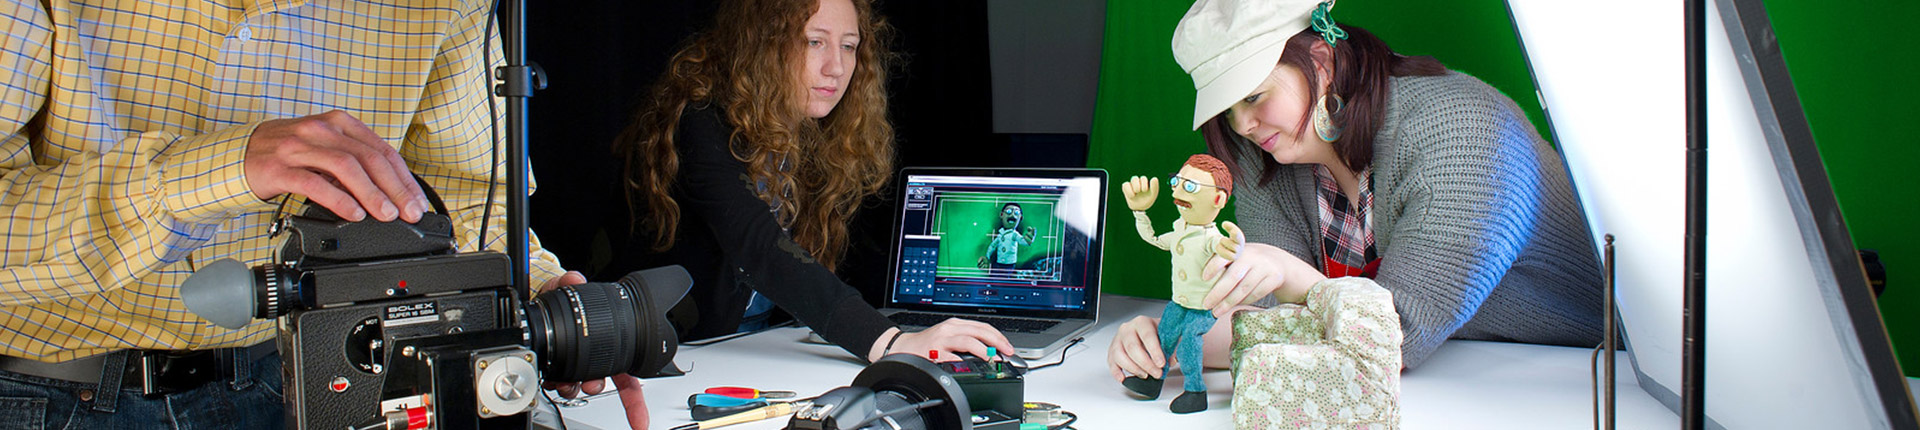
<point>1465,384</point>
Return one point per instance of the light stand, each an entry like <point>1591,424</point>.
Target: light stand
<point>518,80</point>
<point>1693,356</point>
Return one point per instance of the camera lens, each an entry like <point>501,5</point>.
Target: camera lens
<point>591,330</point>
<point>594,330</point>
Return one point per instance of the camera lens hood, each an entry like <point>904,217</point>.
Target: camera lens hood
<point>594,330</point>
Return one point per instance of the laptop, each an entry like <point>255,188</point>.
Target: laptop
<point>1016,248</point>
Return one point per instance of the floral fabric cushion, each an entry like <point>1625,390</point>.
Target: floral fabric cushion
<point>1331,364</point>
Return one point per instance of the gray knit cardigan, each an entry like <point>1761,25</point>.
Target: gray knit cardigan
<point>1475,220</point>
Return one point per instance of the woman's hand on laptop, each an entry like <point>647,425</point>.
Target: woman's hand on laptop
<point>952,335</point>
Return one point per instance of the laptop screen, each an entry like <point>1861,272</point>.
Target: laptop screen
<point>1006,239</point>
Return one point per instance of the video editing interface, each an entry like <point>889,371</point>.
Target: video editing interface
<point>992,242</point>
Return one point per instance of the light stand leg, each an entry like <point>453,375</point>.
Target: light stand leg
<point>1608,342</point>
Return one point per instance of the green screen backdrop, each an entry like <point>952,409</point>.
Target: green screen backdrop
<point>1855,70</point>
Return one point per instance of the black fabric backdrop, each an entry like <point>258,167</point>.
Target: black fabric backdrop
<point>601,56</point>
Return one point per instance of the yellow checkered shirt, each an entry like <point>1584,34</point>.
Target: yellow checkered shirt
<point>125,124</point>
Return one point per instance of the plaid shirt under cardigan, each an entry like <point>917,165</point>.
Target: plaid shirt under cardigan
<point>1346,232</point>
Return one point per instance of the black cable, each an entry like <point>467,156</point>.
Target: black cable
<point>433,197</point>
<point>557,416</point>
<point>1070,419</point>
<point>279,210</point>
<point>1063,354</point>
<point>493,123</point>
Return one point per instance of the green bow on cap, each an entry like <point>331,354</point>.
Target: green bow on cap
<point>1323,23</point>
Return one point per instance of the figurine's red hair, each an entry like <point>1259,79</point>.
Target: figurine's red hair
<point>1222,177</point>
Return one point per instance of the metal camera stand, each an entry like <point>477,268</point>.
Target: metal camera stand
<point>518,79</point>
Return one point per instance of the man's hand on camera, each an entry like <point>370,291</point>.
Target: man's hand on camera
<point>336,161</point>
<point>631,397</point>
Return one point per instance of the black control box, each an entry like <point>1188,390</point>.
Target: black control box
<point>995,389</point>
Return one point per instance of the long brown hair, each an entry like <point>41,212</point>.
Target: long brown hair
<point>1359,71</point>
<point>745,66</point>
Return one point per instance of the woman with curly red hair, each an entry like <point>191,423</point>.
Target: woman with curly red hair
<point>747,161</point>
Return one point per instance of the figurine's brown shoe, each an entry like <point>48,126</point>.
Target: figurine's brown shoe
<point>1144,388</point>
<point>1189,402</point>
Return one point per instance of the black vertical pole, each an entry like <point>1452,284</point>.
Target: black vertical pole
<point>1693,370</point>
<point>518,86</point>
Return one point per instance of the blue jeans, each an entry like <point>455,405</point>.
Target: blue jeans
<point>1180,331</point>
<point>759,309</point>
<point>247,399</point>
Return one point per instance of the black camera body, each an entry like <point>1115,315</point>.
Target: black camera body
<point>384,325</point>
<point>403,351</point>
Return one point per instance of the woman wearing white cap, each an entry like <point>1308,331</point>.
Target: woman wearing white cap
<point>1362,162</point>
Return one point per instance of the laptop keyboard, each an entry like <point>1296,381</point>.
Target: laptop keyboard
<point>1013,325</point>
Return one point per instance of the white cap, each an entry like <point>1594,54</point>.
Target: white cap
<point>1230,46</point>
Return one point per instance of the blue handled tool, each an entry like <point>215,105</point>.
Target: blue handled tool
<point>719,401</point>
<point>704,412</point>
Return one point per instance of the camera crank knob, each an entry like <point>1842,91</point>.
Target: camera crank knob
<point>505,382</point>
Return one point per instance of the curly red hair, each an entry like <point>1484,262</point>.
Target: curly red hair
<point>746,65</point>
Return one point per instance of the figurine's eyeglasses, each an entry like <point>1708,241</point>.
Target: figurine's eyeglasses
<point>1176,182</point>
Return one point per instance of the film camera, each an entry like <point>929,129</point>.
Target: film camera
<point>383,325</point>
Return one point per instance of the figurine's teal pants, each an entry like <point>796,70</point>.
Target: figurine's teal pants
<point>1180,331</point>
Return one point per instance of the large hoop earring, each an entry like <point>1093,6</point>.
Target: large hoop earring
<point>1323,121</point>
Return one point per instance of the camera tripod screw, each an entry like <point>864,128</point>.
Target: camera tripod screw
<point>482,365</point>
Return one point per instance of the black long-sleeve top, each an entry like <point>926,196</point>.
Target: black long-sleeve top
<point>730,242</point>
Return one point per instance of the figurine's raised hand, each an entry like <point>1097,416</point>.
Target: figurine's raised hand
<point>1140,192</point>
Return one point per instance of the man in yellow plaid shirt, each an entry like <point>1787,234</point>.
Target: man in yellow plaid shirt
<point>143,139</point>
